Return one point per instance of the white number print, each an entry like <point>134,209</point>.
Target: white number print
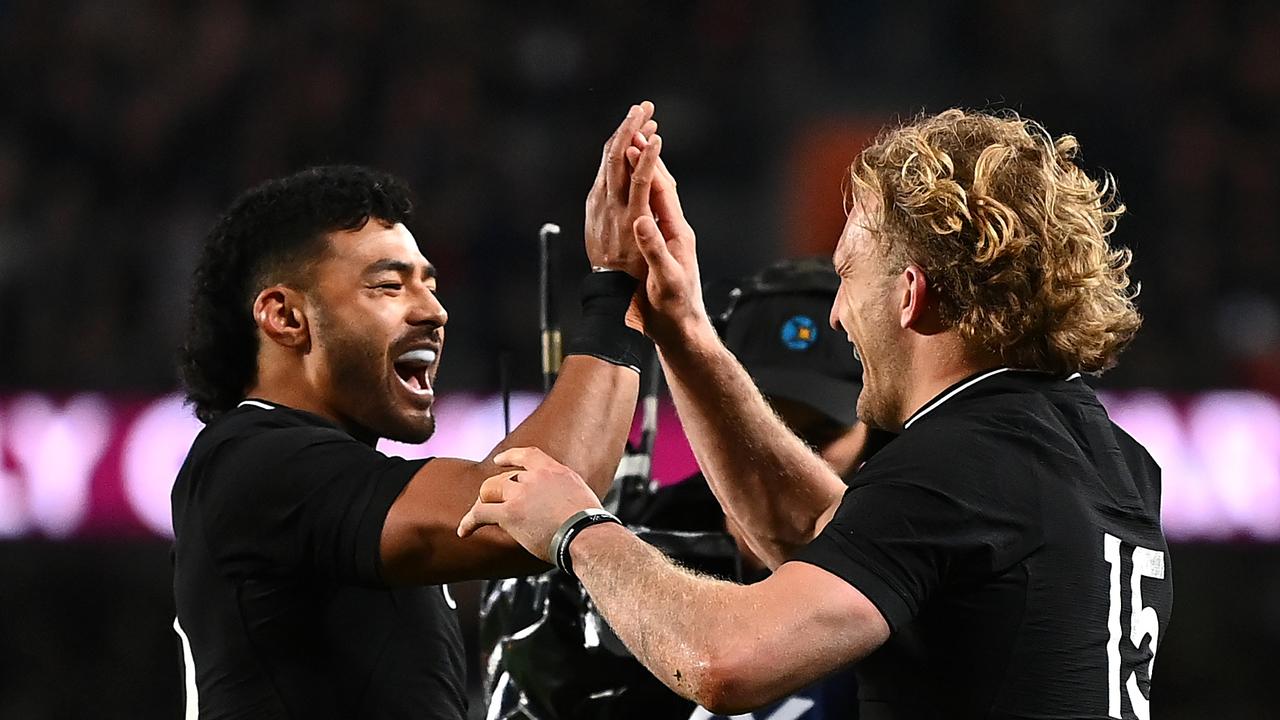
<point>1143,623</point>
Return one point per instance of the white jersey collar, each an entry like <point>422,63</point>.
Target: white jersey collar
<point>257,404</point>
<point>947,395</point>
<point>934,403</point>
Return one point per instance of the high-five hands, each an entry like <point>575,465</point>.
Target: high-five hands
<point>613,204</point>
<point>634,223</point>
<point>529,499</point>
<point>672,304</point>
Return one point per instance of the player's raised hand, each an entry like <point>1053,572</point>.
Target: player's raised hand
<point>610,214</point>
<point>672,304</point>
<point>529,499</point>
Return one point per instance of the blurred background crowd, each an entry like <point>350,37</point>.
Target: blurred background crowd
<point>125,127</point>
<point>128,126</point>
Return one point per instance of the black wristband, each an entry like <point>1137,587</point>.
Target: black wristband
<point>558,548</point>
<point>603,331</point>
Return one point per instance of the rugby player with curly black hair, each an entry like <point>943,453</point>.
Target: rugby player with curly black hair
<point>309,567</point>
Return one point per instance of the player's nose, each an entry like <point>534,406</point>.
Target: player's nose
<point>428,310</point>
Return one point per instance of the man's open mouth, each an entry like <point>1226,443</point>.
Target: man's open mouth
<point>413,369</point>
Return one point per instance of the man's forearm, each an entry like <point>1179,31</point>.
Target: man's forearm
<point>765,477</point>
<point>727,647</point>
<point>584,421</point>
<point>668,617</point>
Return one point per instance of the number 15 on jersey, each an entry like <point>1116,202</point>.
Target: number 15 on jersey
<point>1144,623</point>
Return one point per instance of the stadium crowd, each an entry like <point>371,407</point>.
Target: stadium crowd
<point>127,125</point>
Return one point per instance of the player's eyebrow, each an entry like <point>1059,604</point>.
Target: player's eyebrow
<point>399,266</point>
<point>840,257</point>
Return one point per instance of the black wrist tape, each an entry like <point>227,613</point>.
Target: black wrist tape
<point>603,331</point>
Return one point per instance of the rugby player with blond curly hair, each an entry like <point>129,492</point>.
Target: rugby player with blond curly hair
<point>1002,556</point>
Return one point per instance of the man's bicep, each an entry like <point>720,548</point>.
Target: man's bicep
<point>420,543</point>
<point>837,616</point>
<point>810,624</point>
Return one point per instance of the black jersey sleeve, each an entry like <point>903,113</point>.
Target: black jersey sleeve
<point>917,519</point>
<point>304,499</point>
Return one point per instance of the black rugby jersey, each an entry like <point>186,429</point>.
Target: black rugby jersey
<point>1011,538</point>
<point>277,517</point>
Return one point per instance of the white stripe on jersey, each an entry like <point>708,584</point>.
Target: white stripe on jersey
<point>255,403</point>
<point>929,408</point>
<point>189,671</point>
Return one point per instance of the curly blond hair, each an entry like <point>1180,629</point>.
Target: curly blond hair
<point>1010,231</point>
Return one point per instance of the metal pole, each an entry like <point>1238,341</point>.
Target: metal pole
<point>548,310</point>
<point>504,382</point>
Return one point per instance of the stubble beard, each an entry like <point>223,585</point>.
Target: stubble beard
<point>880,402</point>
<point>874,411</point>
<point>362,385</point>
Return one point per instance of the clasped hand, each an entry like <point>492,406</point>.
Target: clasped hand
<point>530,498</point>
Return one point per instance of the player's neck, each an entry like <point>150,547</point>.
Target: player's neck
<point>938,368</point>
<point>295,387</point>
<point>290,399</point>
<point>284,381</point>
<point>298,397</point>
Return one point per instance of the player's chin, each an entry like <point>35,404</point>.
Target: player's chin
<point>868,411</point>
<point>412,427</point>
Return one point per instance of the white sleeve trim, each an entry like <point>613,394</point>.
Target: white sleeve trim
<point>189,674</point>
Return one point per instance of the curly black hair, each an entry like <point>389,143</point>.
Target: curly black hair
<point>272,233</point>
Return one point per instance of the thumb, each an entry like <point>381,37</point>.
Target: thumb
<point>468,524</point>
<point>652,245</point>
<point>480,514</point>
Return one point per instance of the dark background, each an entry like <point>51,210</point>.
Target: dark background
<point>86,632</point>
<point>126,126</point>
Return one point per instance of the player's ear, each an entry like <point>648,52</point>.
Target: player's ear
<point>915,296</point>
<point>279,312</point>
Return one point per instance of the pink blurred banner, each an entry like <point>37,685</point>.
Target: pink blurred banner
<point>92,465</point>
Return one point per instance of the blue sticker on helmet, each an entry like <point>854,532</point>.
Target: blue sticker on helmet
<point>800,332</point>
